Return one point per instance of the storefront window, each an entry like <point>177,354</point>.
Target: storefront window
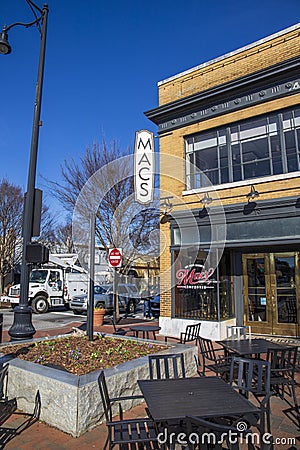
<point>248,149</point>
<point>202,292</point>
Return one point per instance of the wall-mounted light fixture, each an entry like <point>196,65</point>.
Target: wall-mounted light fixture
<point>166,209</point>
<point>166,206</point>
<point>252,194</point>
<point>206,200</point>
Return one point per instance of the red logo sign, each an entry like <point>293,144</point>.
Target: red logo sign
<point>190,277</point>
<point>115,257</point>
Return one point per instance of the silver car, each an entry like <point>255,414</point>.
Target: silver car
<point>103,296</point>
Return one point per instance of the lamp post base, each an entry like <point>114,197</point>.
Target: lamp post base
<point>22,327</point>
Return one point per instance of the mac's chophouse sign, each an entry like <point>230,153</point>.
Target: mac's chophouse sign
<point>144,166</point>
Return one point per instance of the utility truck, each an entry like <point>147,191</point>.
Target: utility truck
<point>54,284</point>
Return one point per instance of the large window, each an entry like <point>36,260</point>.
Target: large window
<point>202,292</point>
<point>254,148</point>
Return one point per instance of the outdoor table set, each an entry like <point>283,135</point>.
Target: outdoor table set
<point>244,347</point>
<point>171,403</point>
<point>145,330</point>
<point>174,399</point>
<point>215,406</point>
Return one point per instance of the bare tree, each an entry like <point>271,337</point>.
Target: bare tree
<point>115,207</point>
<point>48,226</point>
<point>63,238</point>
<point>11,216</point>
<point>11,209</point>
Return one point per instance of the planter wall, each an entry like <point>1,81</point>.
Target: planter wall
<point>72,403</point>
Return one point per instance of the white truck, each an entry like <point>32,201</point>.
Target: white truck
<point>54,284</point>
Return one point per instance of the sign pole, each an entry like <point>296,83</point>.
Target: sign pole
<point>90,305</point>
<point>115,260</point>
<point>116,298</point>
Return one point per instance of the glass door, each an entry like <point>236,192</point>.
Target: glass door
<point>271,283</point>
<point>256,277</point>
<point>284,293</point>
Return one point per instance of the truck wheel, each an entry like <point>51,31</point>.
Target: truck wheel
<point>40,305</point>
<point>131,307</point>
<point>77,312</point>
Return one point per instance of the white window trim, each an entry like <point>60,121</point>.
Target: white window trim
<point>249,182</point>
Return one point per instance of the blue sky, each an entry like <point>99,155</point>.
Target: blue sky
<point>103,62</point>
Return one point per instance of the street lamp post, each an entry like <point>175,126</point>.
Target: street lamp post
<point>22,327</point>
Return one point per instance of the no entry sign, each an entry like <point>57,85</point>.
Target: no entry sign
<point>115,257</point>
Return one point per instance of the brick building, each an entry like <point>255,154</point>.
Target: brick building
<point>230,164</point>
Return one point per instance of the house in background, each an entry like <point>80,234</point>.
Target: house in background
<point>234,125</point>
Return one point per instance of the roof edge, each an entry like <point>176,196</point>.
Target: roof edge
<point>234,52</point>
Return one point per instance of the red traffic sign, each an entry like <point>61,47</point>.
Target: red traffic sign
<point>115,257</point>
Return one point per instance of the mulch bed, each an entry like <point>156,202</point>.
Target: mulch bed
<point>78,355</point>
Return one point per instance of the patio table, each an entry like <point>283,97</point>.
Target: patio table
<point>145,330</point>
<point>174,399</point>
<point>252,346</point>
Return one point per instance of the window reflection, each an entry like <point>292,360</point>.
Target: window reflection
<point>202,292</point>
<point>252,148</point>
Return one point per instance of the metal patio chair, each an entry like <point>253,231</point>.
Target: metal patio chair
<point>253,376</point>
<point>236,332</point>
<point>283,364</point>
<point>166,366</point>
<point>121,331</point>
<point>212,358</point>
<point>213,435</point>
<point>7,407</point>
<point>129,434</point>
<point>191,333</point>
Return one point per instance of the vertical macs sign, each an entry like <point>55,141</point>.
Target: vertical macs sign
<point>144,166</point>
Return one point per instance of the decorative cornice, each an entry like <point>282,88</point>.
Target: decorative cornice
<point>274,82</point>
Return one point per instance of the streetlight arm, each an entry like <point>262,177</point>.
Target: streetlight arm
<point>5,47</point>
<point>26,25</point>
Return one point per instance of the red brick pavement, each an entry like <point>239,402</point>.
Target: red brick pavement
<point>40,436</point>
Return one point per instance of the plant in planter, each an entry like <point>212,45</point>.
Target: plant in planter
<point>99,313</point>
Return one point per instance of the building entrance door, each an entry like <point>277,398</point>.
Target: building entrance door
<point>271,293</point>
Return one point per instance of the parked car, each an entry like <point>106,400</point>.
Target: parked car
<point>103,296</point>
<point>155,305</point>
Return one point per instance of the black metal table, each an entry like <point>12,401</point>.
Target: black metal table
<point>145,330</point>
<point>252,346</point>
<point>174,399</point>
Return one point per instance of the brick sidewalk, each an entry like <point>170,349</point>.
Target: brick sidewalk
<point>40,436</point>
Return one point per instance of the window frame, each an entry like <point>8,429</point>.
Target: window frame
<point>195,181</point>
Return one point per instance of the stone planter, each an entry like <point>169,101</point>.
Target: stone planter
<point>72,403</point>
<point>99,316</point>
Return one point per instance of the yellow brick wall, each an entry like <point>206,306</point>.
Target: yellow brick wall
<point>172,178</point>
<point>165,271</point>
<point>173,144</point>
<point>242,63</point>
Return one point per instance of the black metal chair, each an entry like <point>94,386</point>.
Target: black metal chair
<point>283,364</point>
<point>253,376</point>
<point>191,333</point>
<point>129,434</point>
<point>7,407</point>
<point>166,366</point>
<point>212,435</point>
<point>212,358</point>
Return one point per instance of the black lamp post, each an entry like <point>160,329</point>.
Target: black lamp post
<point>22,327</point>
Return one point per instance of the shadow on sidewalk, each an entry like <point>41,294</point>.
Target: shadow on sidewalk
<point>18,422</point>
